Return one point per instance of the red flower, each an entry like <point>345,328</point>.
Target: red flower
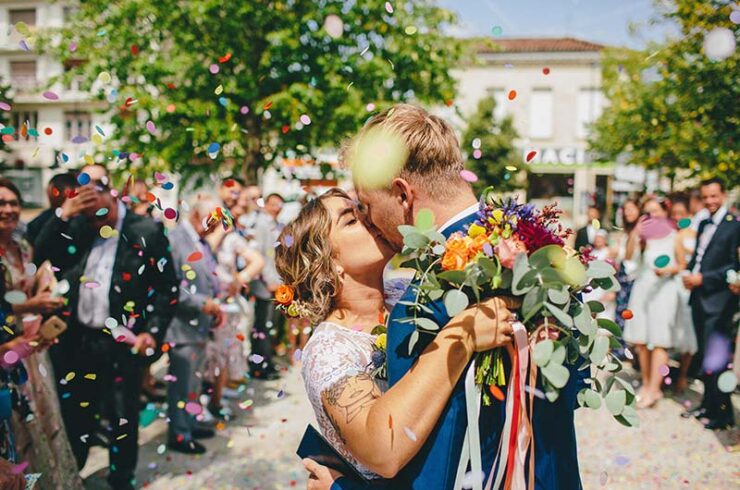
<point>536,236</point>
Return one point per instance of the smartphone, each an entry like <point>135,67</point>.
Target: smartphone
<point>314,446</point>
<point>52,328</point>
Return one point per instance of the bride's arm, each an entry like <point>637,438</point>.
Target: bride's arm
<point>385,431</point>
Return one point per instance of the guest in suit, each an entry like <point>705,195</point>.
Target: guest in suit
<point>118,316</point>
<point>585,236</point>
<point>712,302</point>
<point>197,311</point>
<point>56,191</point>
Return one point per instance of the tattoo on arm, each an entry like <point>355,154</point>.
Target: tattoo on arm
<point>351,395</point>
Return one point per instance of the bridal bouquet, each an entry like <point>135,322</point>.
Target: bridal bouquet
<point>518,250</point>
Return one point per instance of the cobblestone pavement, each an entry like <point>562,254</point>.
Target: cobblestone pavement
<point>257,450</point>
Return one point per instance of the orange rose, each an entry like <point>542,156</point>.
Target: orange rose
<point>284,295</point>
<point>477,245</point>
<point>457,244</point>
<point>453,261</point>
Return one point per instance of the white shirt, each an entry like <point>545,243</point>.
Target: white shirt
<point>707,235</point>
<point>700,216</point>
<point>465,212</point>
<point>93,307</point>
<point>591,233</point>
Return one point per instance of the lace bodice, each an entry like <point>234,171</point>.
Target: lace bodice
<point>332,353</point>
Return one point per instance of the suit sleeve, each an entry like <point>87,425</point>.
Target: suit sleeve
<point>62,242</point>
<point>716,279</point>
<point>163,282</point>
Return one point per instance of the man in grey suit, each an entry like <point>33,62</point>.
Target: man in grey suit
<point>196,312</point>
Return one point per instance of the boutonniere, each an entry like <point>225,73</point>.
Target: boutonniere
<point>378,358</point>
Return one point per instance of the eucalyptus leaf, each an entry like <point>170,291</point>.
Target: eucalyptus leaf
<point>415,240</point>
<point>558,355</point>
<point>542,352</point>
<point>424,219</point>
<point>413,339</point>
<point>435,236</point>
<point>532,303</point>
<point>596,306</point>
<point>629,417</point>
<point>551,395</point>
<point>488,265</point>
<point>455,302</point>
<point>559,297</point>
<point>583,321</point>
<point>609,325</point>
<point>435,294</point>
<point>560,315</point>
<point>599,350</point>
<point>521,267</point>
<point>426,324</point>
<point>547,256</point>
<point>627,386</point>
<point>599,269</point>
<point>525,284</point>
<point>592,399</point>
<point>454,277</point>
<point>550,276</point>
<point>439,249</point>
<point>615,401</point>
<point>406,229</point>
<point>556,374</point>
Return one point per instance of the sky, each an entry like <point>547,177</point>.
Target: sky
<point>601,21</point>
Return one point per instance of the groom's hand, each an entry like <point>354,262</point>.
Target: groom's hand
<point>320,477</point>
<point>488,324</point>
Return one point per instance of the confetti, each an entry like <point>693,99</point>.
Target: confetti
<point>50,95</point>
<point>468,176</point>
<point>11,357</point>
<point>531,155</point>
<point>193,408</point>
<point>627,314</point>
<point>305,120</point>
<point>497,30</point>
<point>727,382</point>
<point>512,94</point>
<point>334,26</point>
<point>664,370</point>
<point>15,297</point>
<point>288,240</point>
<point>214,148</point>
<point>411,30</point>
<point>5,106</point>
<point>545,71</point>
<point>48,131</point>
<point>735,16</point>
<point>596,224</point>
<point>104,77</point>
<point>496,392</point>
<point>719,44</point>
<point>662,261</point>
<point>684,223</point>
<point>214,68</point>
<point>170,213</point>
<point>151,127</point>
<point>388,7</point>
<point>410,434</point>
<point>195,256</point>
<point>225,58</point>
<point>101,212</point>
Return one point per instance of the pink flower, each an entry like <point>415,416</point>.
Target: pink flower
<point>507,250</point>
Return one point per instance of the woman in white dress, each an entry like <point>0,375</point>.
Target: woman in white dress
<point>334,265</point>
<point>654,301</point>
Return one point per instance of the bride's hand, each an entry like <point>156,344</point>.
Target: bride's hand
<point>488,323</point>
<point>320,477</point>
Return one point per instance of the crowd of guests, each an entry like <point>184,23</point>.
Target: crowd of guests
<point>676,257</point>
<point>101,285</point>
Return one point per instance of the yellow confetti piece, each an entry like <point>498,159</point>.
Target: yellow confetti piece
<point>35,152</point>
<point>190,275</point>
<point>97,139</point>
<point>84,404</point>
<point>107,232</point>
<point>181,404</point>
<point>104,77</point>
<point>230,444</point>
<point>596,224</point>
<point>89,160</point>
<point>8,329</point>
<point>219,90</point>
<point>122,436</point>
<point>411,30</point>
<point>70,376</point>
<point>91,376</point>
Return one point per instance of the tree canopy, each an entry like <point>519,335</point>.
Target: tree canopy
<point>199,86</point>
<point>491,154</point>
<point>674,105</point>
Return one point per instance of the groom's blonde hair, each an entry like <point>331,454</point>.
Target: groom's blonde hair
<point>434,160</point>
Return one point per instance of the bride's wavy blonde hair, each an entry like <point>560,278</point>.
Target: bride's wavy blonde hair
<point>305,260</point>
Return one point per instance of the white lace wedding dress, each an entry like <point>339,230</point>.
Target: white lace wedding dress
<point>332,353</point>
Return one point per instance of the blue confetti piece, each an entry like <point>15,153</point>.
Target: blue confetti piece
<point>214,147</point>
<point>167,186</point>
<point>83,178</point>
<point>223,101</point>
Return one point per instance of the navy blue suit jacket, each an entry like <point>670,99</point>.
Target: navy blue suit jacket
<point>435,466</point>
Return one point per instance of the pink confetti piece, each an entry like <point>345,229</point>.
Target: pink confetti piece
<point>305,119</point>
<point>50,95</point>
<point>193,408</point>
<point>388,7</point>
<point>151,128</point>
<point>468,176</point>
<point>5,106</point>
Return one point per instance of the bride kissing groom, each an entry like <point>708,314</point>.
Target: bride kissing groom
<point>407,431</point>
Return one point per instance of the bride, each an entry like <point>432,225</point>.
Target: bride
<point>334,264</point>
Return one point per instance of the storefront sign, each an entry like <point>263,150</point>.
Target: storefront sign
<point>567,155</point>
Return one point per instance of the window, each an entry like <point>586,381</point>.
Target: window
<point>589,107</point>
<point>77,124</point>
<point>500,111</point>
<point>28,118</point>
<point>23,75</point>
<point>540,114</point>
<point>27,16</point>
<point>69,12</point>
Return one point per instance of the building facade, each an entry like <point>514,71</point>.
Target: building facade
<point>53,124</point>
<point>552,90</point>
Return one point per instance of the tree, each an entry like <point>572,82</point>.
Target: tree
<point>673,106</point>
<point>5,121</point>
<point>196,85</point>
<point>498,162</point>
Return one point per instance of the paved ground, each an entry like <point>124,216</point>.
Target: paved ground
<point>257,450</point>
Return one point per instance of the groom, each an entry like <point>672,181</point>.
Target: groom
<point>429,177</point>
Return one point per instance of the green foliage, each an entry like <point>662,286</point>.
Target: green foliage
<point>5,96</point>
<point>497,150</point>
<point>276,62</point>
<point>671,106</point>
